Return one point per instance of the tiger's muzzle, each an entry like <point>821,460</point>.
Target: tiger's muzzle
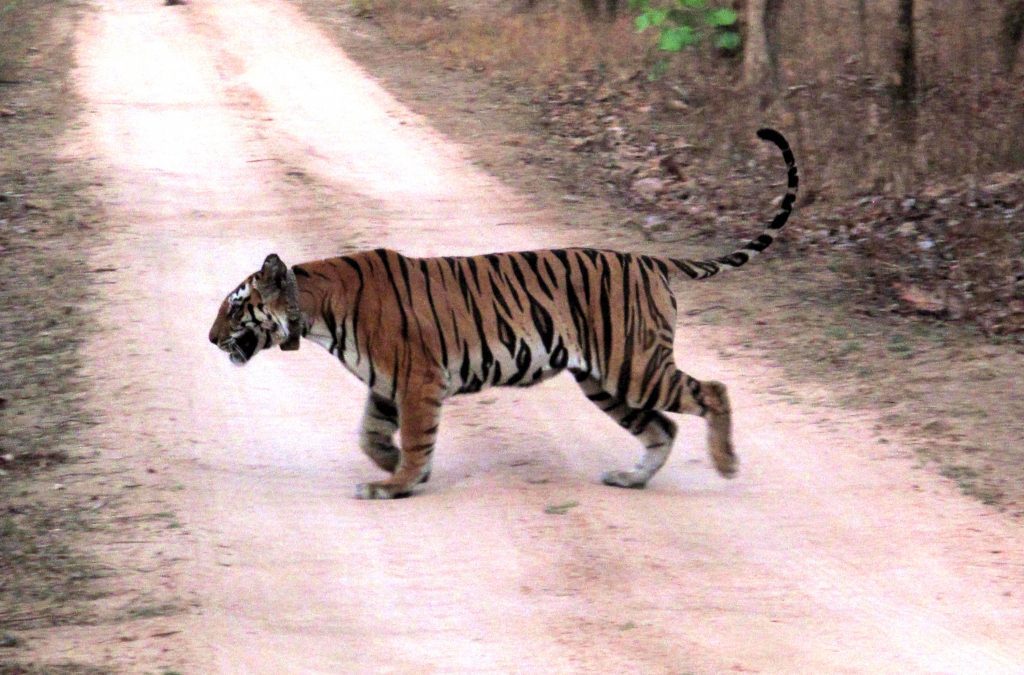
<point>240,349</point>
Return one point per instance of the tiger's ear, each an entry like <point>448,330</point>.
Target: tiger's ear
<point>272,276</point>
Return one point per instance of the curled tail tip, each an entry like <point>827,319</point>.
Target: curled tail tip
<point>775,137</point>
<point>772,136</point>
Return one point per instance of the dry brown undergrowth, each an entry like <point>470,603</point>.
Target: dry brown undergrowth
<point>45,227</point>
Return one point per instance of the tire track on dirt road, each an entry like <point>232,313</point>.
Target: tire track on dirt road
<point>231,129</point>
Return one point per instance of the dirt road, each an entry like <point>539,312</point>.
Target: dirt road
<point>232,129</point>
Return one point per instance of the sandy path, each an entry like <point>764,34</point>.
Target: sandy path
<point>231,129</point>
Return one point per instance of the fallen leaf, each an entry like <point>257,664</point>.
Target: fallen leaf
<point>560,509</point>
<point>920,301</point>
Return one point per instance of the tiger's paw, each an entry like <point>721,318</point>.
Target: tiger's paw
<point>380,491</point>
<point>625,479</point>
<point>726,464</point>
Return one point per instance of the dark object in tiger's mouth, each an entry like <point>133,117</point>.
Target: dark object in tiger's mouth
<point>242,348</point>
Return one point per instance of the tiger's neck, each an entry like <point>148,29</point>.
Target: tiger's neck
<point>322,303</point>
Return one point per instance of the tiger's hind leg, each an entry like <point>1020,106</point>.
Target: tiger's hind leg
<point>707,399</point>
<point>719,416</point>
<point>650,427</point>
<point>377,432</point>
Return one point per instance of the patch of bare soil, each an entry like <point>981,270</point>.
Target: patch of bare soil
<point>45,577</point>
<point>70,522</point>
<point>813,307</point>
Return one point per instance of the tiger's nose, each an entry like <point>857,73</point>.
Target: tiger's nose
<point>213,339</point>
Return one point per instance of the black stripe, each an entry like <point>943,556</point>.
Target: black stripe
<point>685,268</point>
<point>385,407</point>
<point>523,359</point>
<point>543,322</point>
<point>357,303</point>
<point>473,271</point>
<point>464,368</point>
<point>383,255</point>
<point>531,259</point>
<point>506,335</point>
<point>604,302</point>
<point>332,327</point>
<point>425,270</point>
<point>560,356</point>
<point>517,271</point>
<point>578,313</point>
<point>394,377</point>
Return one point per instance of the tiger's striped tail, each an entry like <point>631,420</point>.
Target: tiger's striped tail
<point>702,269</point>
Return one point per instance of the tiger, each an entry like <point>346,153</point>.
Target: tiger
<point>417,331</point>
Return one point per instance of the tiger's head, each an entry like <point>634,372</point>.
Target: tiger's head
<point>263,311</point>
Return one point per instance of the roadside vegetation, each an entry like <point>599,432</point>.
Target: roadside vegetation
<point>46,578</point>
<point>900,284</point>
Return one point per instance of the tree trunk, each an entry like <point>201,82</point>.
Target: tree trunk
<point>1011,30</point>
<point>591,8</point>
<point>760,51</point>
<point>862,30</point>
<point>905,91</point>
<point>772,11</point>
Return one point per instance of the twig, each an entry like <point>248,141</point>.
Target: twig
<point>698,312</point>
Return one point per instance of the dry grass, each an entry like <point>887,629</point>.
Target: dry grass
<point>45,577</point>
<point>539,46</point>
<point>970,116</point>
<point>20,21</point>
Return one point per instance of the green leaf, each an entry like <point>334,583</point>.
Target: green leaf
<point>723,16</point>
<point>729,41</point>
<point>693,4</point>
<point>674,39</point>
<point>643,22</point>
<point>658,16</point>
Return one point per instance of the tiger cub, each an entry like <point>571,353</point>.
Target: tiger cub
<point>418,330</point>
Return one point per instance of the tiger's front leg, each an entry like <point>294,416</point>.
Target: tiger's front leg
<point>419,413</point>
